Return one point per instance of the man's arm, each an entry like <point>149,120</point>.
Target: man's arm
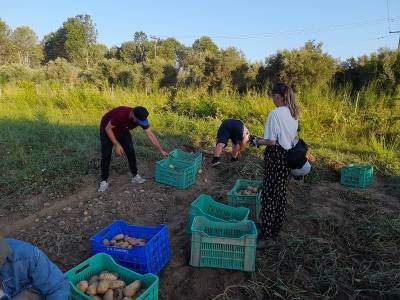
<point>110,133</point>
<point>47,279</point>
<point>153,139</point>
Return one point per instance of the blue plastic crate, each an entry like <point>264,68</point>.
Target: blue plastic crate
<point>149,258</point>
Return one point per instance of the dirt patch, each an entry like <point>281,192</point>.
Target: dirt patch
<point>62,229</point>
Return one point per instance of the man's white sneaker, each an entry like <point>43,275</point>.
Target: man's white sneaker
<point>138,179</point>
<point>103,187</point>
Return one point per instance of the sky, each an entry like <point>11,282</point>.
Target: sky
<point>259,28</point>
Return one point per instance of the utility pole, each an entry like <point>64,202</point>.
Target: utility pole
<point>155,39</point>
<point>396,32</point>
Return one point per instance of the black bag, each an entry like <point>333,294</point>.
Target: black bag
<point>297,156</point>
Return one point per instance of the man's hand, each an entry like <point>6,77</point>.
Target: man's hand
<point>119,150</point>
<point>164,153</point>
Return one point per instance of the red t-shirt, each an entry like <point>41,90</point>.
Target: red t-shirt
<point>119,118</point>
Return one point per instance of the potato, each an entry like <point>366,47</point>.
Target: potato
<point>119,237</point>
<point>118,244</point>
<point>132,241</point>
<point>103,286</point>
<point>127,298</point>
<point>125,245</point>
<point>113,242</point>
<point>92,289</point>
<point>108,275</point>
<point>118,294</point>
<point>132,289</point>
<point>106,242</point>
<point>115,274</point>
<point>109,295</point>
<point>117,284</point>
<point>93,279</point>
<point>82,285</point>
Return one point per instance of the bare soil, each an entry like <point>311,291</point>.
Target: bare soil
<point>62,229</point>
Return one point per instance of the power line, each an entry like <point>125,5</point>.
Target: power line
<point>297,31</point>
<point>388,15</point>
<point>393,32</point>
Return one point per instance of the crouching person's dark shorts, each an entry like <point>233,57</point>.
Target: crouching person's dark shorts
<point>230,129</point>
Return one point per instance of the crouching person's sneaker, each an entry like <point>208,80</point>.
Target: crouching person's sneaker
<point>138,179</point>
<point>103,187</point>
<point>215,162</point>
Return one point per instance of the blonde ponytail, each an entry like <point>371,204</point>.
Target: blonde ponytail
<point>289,99</point>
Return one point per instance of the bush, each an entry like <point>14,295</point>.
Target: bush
<point>17,72</point>
<point>61,69</point>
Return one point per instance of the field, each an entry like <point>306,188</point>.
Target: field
<point>337,242</point>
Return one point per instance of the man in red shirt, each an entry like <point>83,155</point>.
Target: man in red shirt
<point>114,132</point>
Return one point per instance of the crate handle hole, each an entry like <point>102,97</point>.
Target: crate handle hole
<point>82,269</point>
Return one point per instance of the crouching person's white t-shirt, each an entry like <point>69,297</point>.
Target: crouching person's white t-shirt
<point>280,126</point>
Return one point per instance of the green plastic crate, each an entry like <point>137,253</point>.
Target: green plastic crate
<point>223,245</point>
<point>101,262</point>
<point>250,201</point>
<point>206,206</point>
<point>178,155</point>
<point>182,176</point>
<point>354,175</point>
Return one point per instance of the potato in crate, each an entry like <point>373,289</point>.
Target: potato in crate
<point>139,248</point>
<point>100,276</point>
<point>176,173</point>
<point>206,206</point>
<point>223,245</point>
<point>178,155</point>
<point>246,193</point>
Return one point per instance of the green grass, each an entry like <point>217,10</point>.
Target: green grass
<point>50,130</point>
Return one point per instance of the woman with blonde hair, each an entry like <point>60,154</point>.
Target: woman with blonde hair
<point>279,136</point>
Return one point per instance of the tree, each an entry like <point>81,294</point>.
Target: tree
<point>301,68</point>
<point>383,67</point>
<point>127,52</point>
<point>8,51</point>
<point>168,50</point>
<point>25,39</point>
<point>74,41</point>
<point>142,47</point>
<point>205,44</point>
<point>81,35</point>
<point>53,45</point>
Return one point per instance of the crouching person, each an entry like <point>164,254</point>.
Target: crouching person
<point>26,273</point>
<point>234,130</point>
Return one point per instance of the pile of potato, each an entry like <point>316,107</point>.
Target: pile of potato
<point>124,241</point>
<point>249,190</point>
<point>107,286</point>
